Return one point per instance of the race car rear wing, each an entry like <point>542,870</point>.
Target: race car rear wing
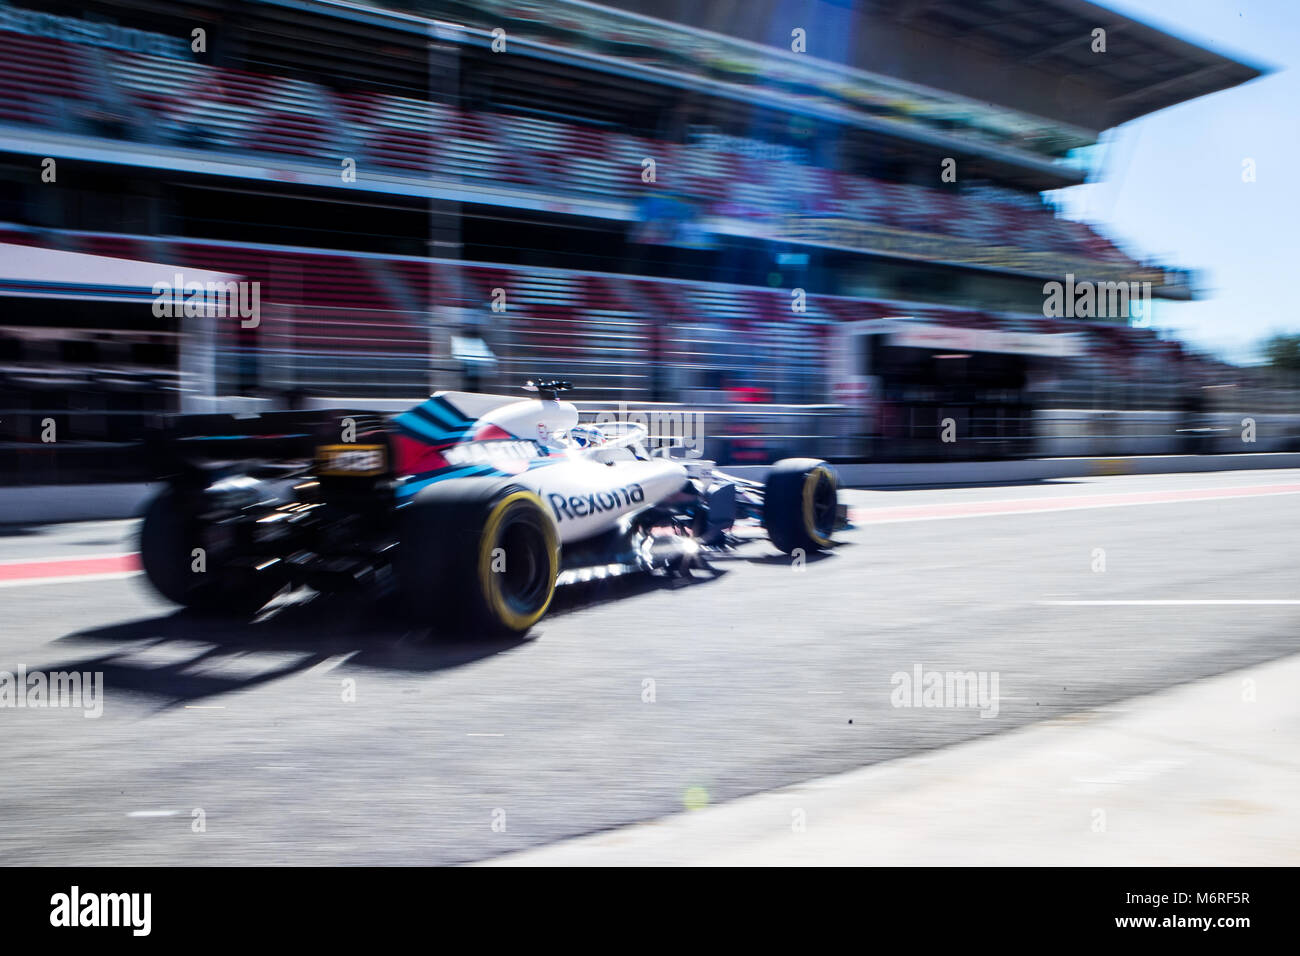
<point>272,442</point>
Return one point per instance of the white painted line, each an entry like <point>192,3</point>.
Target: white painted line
<point>485,735</point>
<point>1225,602</point>
<point>152,813</point>
<point>863,515</point>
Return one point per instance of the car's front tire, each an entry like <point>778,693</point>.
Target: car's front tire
<point>480,554</point>
<point>800,504</point>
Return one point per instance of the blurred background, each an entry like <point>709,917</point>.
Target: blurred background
<point>830,228</point>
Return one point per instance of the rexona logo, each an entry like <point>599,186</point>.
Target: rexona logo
<point>581,506</point>
<point>103,909</point>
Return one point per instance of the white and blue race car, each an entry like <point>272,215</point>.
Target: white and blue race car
<point>474,506</point>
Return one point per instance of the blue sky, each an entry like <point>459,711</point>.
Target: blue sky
<point>1172,185</point>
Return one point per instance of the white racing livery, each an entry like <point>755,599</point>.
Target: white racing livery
<point>474,508</point>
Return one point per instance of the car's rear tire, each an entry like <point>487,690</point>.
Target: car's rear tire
<point>169,535</point>
<point>800,504</point>
<point>478,554</point>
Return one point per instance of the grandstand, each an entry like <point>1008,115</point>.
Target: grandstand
<point>517,178</point>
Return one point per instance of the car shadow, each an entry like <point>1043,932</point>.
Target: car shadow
<point>585,594</point>
<point>813,557</point>
<point>184,658</point>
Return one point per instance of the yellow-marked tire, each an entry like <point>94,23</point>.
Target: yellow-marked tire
<point>478,555</point>
<point>800,502</point>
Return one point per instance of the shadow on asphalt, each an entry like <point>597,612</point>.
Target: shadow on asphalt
<point>185,657</point>
<point>576,597</point>
<point>784,559</point>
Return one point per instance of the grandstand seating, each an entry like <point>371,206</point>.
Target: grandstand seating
<point>330,322</point>
<point>190,104</point>
<point>40,76</point>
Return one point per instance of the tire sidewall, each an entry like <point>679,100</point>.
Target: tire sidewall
<point>512,506</point>
<point>789,502</point>
<point>445,557</point>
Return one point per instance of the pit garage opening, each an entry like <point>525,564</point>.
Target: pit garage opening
<point>921,391</point>
<point>85,361</point>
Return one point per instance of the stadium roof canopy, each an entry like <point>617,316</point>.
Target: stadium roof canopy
<point>1144,68</point>
<point>32,271</point>
<point>1033,55</point>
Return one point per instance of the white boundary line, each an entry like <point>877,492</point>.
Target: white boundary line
<point>860,516</point>
<point>1177,603</point>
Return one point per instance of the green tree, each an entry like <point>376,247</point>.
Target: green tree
<point>1282,352</point>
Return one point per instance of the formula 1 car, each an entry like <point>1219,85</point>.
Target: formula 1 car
<point>473,506</point>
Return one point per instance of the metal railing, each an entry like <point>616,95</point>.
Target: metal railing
<point>100,444</point>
